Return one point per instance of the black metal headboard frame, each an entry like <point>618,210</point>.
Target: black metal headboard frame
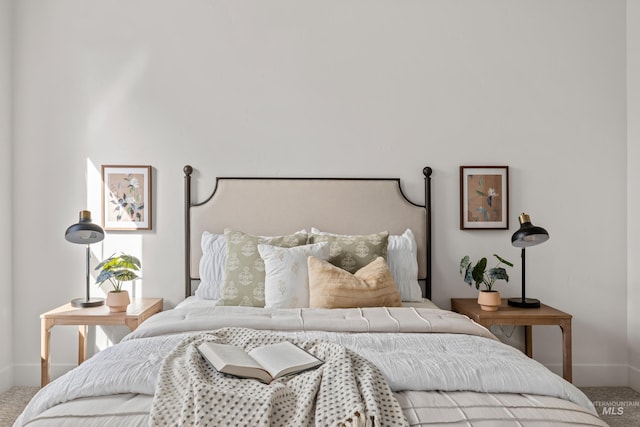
<point>189,203</point>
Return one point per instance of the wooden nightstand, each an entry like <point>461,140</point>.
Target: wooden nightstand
<point>137,312</point>
<point>527,317</point>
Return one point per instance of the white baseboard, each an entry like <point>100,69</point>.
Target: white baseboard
<point>6,378</point>
<point>596,375</point>
<point>29,374</point>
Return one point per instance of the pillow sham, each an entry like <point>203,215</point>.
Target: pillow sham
<point>333,287</point>
<point>402,259</point>
<point>286,283</point>
<point>212,265</point>
<point>352,252</point>
<point>244,270</point>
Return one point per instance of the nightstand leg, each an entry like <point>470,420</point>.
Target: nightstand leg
<point>132,324</point>
<point>45,337</point>
<point>528,341</point>
<point>567,363</point>
<point>82,343</point>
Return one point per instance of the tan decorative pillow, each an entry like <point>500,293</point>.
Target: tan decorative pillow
<point>333,287</point>
<point>351,253</point>
<point>244,271</point>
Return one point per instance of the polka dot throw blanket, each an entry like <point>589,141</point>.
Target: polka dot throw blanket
<point>346,390</point>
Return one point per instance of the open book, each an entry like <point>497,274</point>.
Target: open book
<point>264,363</point>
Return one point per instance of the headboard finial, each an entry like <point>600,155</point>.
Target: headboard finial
<point>188,170</point>
<point>427,171</point>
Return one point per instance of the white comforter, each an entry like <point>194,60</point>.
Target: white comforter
<point>429,350</point>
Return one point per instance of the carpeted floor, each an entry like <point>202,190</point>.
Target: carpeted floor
<point>618,406</point>
<point>12,402</point>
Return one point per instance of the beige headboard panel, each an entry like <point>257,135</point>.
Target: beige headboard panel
<point>276,206</point>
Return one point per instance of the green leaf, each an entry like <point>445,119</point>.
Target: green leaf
<point>104,262</point>
<point>498,273</point>
<point>502,260</point>
<point>468,278</point>
<point>478,271</point>
<point>464,262</point>
<point>125,275</point>
<point>118,269</point>
<point>104,276</point>
<point>130,262</point>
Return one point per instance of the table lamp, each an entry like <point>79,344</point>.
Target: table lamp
<point>85,232</point>
<point>527,235</point>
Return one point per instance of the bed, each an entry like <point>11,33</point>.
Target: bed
<point>361,301</point>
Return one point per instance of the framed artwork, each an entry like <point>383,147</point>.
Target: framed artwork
<point>126,197</point>
<point>484,197</point>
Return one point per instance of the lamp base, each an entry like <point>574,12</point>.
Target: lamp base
<point>91,302</point>
<point>524,302</point>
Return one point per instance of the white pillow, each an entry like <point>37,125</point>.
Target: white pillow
<point>212,265</point>
<point>286,283</point>
<point>402,259</point>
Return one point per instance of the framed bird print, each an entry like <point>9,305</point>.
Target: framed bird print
<point>484,197</point>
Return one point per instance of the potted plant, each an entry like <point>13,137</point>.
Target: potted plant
<point>488,298</point>
<point>118,269</point>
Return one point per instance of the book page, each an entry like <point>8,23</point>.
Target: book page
<point>233,360</point>
<point>284,358</point>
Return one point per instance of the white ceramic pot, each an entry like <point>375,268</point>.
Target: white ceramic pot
<point>118,301</point>
<point>489,300</point>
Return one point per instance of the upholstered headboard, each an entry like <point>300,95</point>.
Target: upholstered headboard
<point>277,206</point>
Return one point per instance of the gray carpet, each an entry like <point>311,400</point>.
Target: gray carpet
<point>12,402</point>
<point>618,406</point>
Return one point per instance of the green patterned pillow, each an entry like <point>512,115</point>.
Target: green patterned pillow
<point>244,271</point>
<point>351,253</point>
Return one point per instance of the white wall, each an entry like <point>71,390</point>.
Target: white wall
<point>633,197</point>
<point>6,284</point>
<point>331,88</point>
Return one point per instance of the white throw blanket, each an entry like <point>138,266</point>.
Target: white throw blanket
<point>345,391</point>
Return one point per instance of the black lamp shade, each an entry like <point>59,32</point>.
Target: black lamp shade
<point>528,234</point>
<point>84,232</point>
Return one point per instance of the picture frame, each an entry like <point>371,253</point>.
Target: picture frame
<point>126,198</point>
<point>484,197</point>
